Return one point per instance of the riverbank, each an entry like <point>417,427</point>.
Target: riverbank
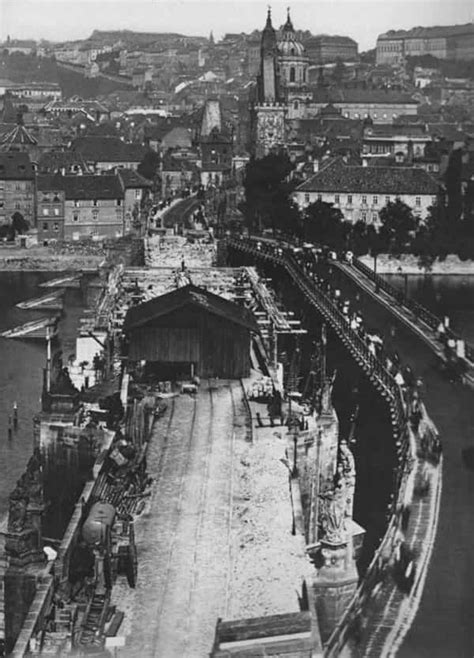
<point>408,264</point>
<point>41,258</point>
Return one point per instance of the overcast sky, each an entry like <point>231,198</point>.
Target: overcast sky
<point>61,20</point>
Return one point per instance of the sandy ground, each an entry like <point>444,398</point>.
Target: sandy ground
<point>269,563</point>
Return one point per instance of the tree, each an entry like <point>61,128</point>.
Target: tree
<point>398,227</point>
<point>19,223</point>
<point>323,223</point>
<point>267,193</point>
<point>454,186</point>
<point>149,166</point>
<point>358,237</point>
<point>376,244</point>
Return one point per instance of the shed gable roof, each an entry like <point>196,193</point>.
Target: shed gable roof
<point>190,295</point>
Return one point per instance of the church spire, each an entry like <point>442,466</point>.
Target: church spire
<point>288,27</point>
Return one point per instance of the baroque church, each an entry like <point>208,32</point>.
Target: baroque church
<point>282,91</point>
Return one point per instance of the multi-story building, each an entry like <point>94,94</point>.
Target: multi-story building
<point>136,189</point>
<point>36,90</point>
<point>443,42</point>
<point>17,187</point>
<point>94,206</point>
<point>330,48</point>
<point>389,140</point>
<point>50,208</point>
<point>361,192</point>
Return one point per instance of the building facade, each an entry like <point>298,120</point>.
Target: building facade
<point>326,48</point>
<point>94,207</point>
<point>50,208</point>
<point>361,192</point>
<point>446,42</point>
<point>17,187</point>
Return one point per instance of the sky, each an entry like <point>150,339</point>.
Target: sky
<point>363,20</point>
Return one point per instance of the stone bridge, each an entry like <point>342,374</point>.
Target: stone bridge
<point>435,618</point>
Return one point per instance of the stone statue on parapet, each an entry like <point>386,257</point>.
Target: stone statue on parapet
<point>326,394</point>
<point>17,507</point>
<point>332,517</point>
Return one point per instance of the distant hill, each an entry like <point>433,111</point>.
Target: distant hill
<point>109,37</point>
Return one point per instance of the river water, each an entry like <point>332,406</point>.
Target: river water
<point>21,368</point>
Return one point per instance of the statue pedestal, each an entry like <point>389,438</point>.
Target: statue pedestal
<point>334,583</point>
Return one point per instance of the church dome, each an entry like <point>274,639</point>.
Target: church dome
<point>288,45</point>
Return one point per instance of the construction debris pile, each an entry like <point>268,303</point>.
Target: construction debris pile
<point>269,562</point>
<point>173,251</point>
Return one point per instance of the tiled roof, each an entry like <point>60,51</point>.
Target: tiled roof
<point>363,96</point>
<point>340,177</point>
<point>49,182</point>
<point>16,166</point>
<point>98,148</point>
<point>190,295</point>
<point>54,161</point>
<point>330,39</point>
<point>93,186</point>
<point>429,32</point>
<point>389,130</point>
<point>132,179</point>
<point>18,135</point>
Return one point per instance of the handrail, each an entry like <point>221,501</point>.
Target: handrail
<point>427,316</point>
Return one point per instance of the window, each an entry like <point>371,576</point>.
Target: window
<point>138,194</point>
<point>56,226</point>
<point>75,217</point>
<point>349,199</point>
<point>336,198</point>
<point>45,226</point>
<point>364,200</point>
<point>387,199</point>
<point>375,200</point>
<point>95,202</point>
<point>375,217</point>
<point>306,198</point>
<point>95,214</point>
<point>433,200</point>
<point>119,202</point>
<point>56,199</point>
<point>364,216</point>
<point>17,206</point>
<point>418,201</point>
<point>292,74</point>
<point>76,203</point>
<point>295,105</point>
<point>320,197</point>
<point>45,211</point>
<point>56,211</point>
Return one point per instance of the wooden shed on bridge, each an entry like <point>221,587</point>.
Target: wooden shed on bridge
<point>191,331</point>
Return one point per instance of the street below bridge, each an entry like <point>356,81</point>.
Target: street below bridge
<point>444,622</point>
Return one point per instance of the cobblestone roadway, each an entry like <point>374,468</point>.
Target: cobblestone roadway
<point>183,543</point>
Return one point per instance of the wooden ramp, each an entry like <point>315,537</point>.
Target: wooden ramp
<point>52,302</point>
<point>40,328</point>
<point>68,281</point>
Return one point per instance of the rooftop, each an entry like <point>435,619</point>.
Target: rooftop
<point>132,179</point>
<point>429,32</point>
<point>339,177</point>
<point>100,148</point>
<point>364,96</point>
<point>189,295</point>
<point>16,166</point>
<point>92,186</point>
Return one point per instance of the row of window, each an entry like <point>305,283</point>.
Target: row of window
<point>46,226</point>
<point>338,199</point>
<point>95,202</point>
<point>95,216</point>
<point>46,212</point>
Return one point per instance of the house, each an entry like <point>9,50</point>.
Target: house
<point>216,156</point>
<point>190,331</point>
<point>50,207</point>
<point>103,153</point>
<point>17,187</point>
<point>136,189</point>
<point>177,174</point>
<point>94,206</point>
<point>361,192</point>
<point>386,140</point>
<point>381,105</point>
